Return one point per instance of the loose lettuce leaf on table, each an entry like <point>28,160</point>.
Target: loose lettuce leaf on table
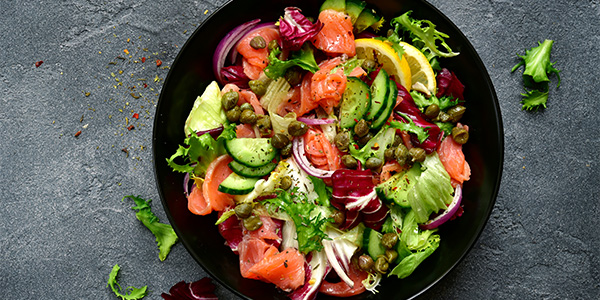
<point>131,293</point>
<point>164,233</point>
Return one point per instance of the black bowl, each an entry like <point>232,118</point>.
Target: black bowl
<point>192,72</point>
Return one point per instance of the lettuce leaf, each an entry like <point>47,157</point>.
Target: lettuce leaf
<point>164,233</point>
<point>304,58</point>
<point>423,102</point>
<point>534,99</point>
<point>433,191</point>
<point>410,262</point>
<point>410,126</point>
<point>309,225</point>
<point>537,62</point>
<point>423,34</point>
<point>321,189</point>
<point>207,111</point>
<point>131,293</point>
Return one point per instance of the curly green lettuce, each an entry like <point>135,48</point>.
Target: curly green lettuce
<point>532,100</point>
<point>423,35</point>
<point>303,58</point>
<point>131,293</point>
<point>164,233</point>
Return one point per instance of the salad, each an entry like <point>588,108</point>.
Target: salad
<point>330,150</point>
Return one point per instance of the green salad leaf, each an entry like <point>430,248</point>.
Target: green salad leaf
<point>375,147</point>
<point>537,63</point>
<point>423,35</point>
<point>164,233</point>
<point>421,133</point>
<point>433,191</point>
<point>534,99</point>
<point>131,293</point>
<point>413,259</point>
<point>303,58</point>
<point>321,189</point>
<point>443,103</point>
<point>207,111</point>
<point>309,226</point>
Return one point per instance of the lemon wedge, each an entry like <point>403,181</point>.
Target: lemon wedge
<point>384,55</point>
<point>422,75</point>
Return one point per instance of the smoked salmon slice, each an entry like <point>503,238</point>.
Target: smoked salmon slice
<point>253,250</point>
<point>336,36</point>
<point>255,60</point>
<point>453,159</point>
<point>216,172</point>
<point>284,269</point>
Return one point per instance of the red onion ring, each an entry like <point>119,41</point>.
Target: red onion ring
<point>310,121</point>
<point>214,133</point>
<point>300,157</point>
<point>447,214</point>
<point>225,46</point>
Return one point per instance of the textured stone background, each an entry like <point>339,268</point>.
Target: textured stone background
<point>63,224</point>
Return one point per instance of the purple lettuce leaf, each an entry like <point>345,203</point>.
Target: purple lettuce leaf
<point>449,85</point>
<point>296,29</point>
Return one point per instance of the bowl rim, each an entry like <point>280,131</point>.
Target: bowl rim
<point>496,183</point>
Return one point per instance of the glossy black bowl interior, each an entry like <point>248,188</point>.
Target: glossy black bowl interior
<point>192,72</point>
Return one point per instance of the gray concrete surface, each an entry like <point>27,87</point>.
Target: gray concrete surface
<point>63,224</point>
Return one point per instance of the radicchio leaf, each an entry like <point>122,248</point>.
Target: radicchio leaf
<point>449,85</point>
<point>296,29</point>
<point>408,108</point>
<point>235,75</point>
<point>202,289</point>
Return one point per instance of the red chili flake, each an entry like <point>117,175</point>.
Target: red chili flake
<point>158,62</point>
<point>126,152</point>
<point>355,120</point>
<point>131,127</point>
<point>39,63</point>
<point>145,85</point>
<point>143,59</point>
<point>136,115</point>
<point>78,133</point>
<point>387,122</point>
<point>356,146</point>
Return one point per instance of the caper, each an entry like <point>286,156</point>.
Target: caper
<point>361,128</point>
<point>401,154</point>
<point>432,111</point>
<point>389,240</point>
<point>460,135</point>
<point>417,154</point>
<point>397,140</point>
<point>248,117</point>
<point>258,87</point>
<point>443,117</point>
<point>338,217</point>
<point>391,255</point>
<point>381,265</point>
<point>365,263</point>
<point>297,128</point>
<point>279,140</point>
<point>258,42</point>
<point>233,115</point>
<point>246,106</point>
<point>243,210</point>
<point>286,151</point>
<point>365,139</point>
<point>285,183</point>
<point>342,140</point>
<point>369,64</point>
<point>273,45</point>
<point>388,154</point>
<point>263,123</point>
<point>456,113</point>
<point>373,163</point>
<point>229,100</point>
<point>293,75</point>
<point>349,161</point>
<point>252,223</point>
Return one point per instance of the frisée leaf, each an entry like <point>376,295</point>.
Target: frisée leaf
<point>423,34</point>
<point>131,293</point>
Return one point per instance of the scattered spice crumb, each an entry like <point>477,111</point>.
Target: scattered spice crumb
<point>206,11</point>
<point>126,151</point>
<point>85,126</point>
<point>131,127</point>
<point>135,96</point>
<point>81,120</point>
<point>158,62</point>
<point>39,63</point>
<point>87,94</point>
<point>126,51</point>
<point>136,116</point>
<point>78,133</point>
<point>143,59</point>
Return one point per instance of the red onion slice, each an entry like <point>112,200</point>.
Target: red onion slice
<point>311,121</point>
<point>300,157</point>
<point>447,214</point>
<point>225,46</point>
<point>214,133</point>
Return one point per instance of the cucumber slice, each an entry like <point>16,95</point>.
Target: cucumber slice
<point>251,152</point>
<point>397,187</point>
<point>354,8</point>
<point>339,5</point>
<point>389,106</point>
<point>367,18</point>
<point>379,93</point>
<point>258,172</point>
<point>356,102</point>
<point>372,242</point>
<point>235,184</point>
